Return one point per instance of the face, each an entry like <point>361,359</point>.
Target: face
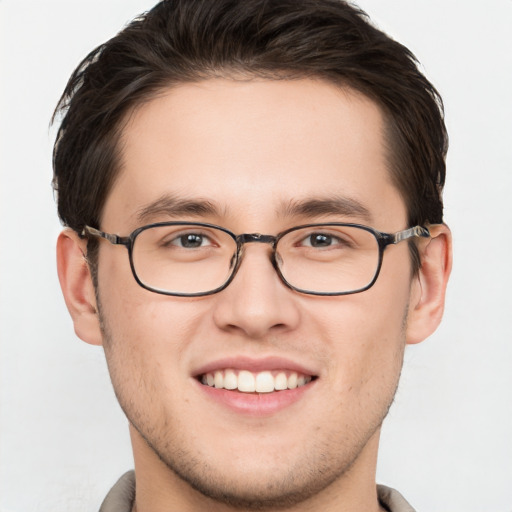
<point>252,150</point>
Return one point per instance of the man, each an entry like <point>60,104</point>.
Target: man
<point>274,172</point>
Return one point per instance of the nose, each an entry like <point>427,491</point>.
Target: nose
<point>256,303</point>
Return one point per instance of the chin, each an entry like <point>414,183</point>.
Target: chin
<point>260,477</point>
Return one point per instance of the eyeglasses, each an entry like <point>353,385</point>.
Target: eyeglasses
<point>190,259</point>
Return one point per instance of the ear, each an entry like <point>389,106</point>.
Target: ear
<point>429,286</point>
<point>77,286</point>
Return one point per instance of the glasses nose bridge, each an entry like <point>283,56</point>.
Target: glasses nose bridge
<point>258,238</point>
<point>248,238</point>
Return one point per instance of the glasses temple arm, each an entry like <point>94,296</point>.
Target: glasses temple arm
<point>420,231</point>
<point>113,239</point>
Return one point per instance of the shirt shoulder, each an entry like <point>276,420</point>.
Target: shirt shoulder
<point>392,500</point>
<point>121,496</point>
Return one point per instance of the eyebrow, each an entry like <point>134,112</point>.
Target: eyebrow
<point>334,205</point>
<point>172,206</point>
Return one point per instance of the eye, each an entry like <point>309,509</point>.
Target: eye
<point>320,240</point>
<point>190,241</point>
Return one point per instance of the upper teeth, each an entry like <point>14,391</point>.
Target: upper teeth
<point>248,382</point>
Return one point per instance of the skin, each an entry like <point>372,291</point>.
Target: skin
<point>251,147</point>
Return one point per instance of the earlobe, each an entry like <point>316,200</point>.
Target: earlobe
<point>77,286</point>
<point>429,287</point>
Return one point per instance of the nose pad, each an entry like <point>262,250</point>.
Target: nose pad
<point>277,261</point>
<point>232,261</point>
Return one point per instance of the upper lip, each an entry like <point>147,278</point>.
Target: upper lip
<point>254,365</point>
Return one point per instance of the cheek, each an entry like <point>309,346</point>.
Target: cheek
<point>146,351</point>
<point>144,327</point>
<point>132,311</point>
<point>364,337</point>
<point>151,325</point>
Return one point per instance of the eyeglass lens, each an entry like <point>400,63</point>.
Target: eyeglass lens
<point>192,259</point>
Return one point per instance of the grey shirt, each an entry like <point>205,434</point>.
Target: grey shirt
<point>121,497</point>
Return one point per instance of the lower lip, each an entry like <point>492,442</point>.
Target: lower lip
<point>256,404</point>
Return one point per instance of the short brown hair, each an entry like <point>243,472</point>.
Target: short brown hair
<point>182,41</point>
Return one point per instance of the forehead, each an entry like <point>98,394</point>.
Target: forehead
<point>252,148</point>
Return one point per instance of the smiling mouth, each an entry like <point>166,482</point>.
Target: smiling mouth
<point>245,381</point>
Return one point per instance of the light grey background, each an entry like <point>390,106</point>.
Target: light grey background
<point>447,444</point>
